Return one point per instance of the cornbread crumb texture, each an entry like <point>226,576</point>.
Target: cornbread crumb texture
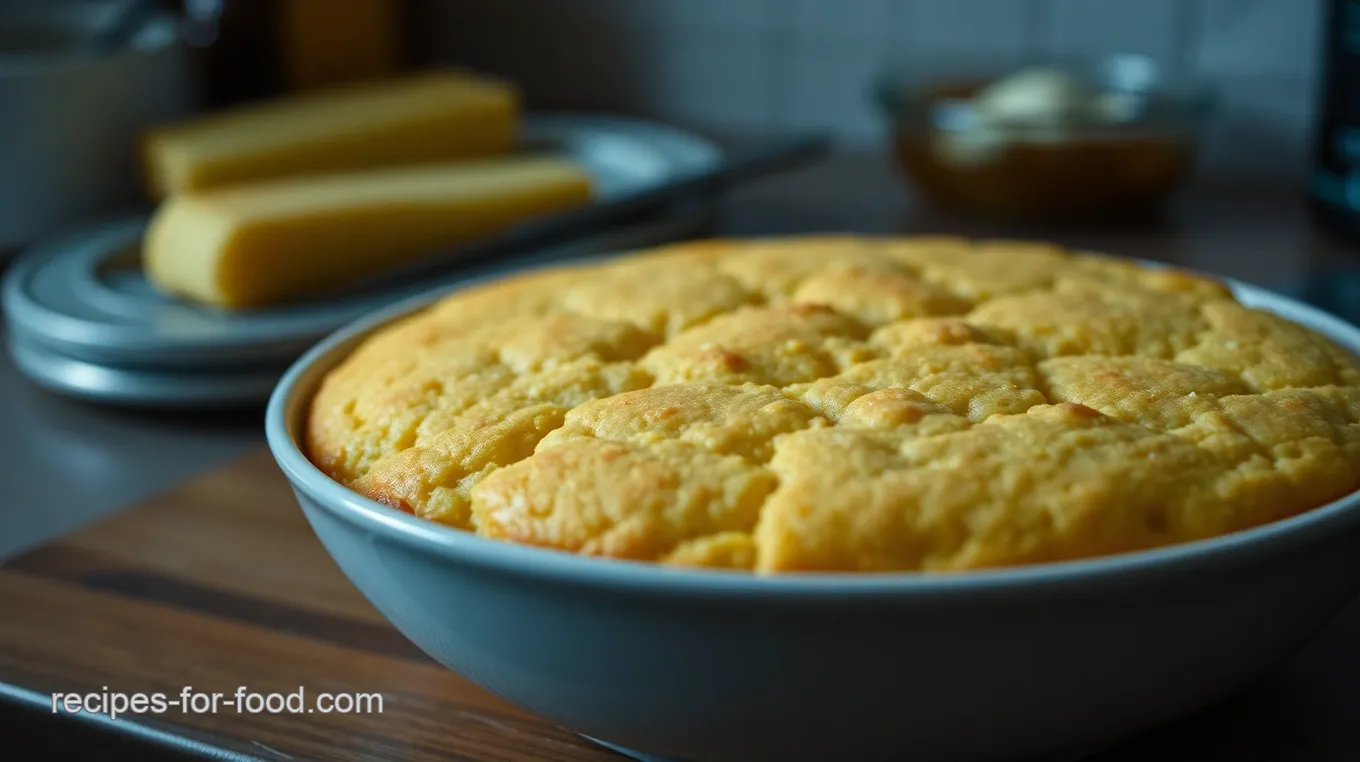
<point>836,403</point>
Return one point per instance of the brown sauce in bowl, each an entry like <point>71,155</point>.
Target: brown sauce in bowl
<point>1106,172</point>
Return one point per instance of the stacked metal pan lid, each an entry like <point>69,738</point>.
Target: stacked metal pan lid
<point>83,321</point>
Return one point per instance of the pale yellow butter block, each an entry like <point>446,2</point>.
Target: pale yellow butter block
<point>261,244</point>
<point>427,117</point>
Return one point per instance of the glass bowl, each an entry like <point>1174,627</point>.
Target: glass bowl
<point>1119,155</point>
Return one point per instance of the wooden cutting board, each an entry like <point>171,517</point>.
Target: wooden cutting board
<point>221,584</point>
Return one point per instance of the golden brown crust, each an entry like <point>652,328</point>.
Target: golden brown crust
<point>838,403</point>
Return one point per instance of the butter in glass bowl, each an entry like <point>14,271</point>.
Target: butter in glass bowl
<point>1070,142</point>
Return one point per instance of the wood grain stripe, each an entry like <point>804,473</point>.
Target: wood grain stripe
<point>84,569</point>
<point>32,731</point>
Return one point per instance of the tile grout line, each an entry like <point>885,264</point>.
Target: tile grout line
<point>780,51</point>
<point>1188,35</point>
<point>1038,19</point>
<point>900,19</point>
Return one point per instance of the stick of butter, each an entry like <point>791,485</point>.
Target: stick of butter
<point>261,244</point>
<point>427,117</point>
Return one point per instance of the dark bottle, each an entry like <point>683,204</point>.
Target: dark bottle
<point>246,50</point>
<point>1334,180</point>
<point>237,49</point>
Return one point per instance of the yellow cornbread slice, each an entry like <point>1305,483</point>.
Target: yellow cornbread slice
<point>429,117</point>
<point>762,345</point>
<point>259,244</point>
<point>597,497</point>
<point>727,420</point>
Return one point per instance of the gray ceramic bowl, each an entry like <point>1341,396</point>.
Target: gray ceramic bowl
<point>724,667</point>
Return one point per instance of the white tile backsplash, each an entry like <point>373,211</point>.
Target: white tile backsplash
<point>870,22</point>
<point>1078,28</point>
<point>828,87</point>
<point>949,30</point>
<point>1268,37</point>
<point>1260,126</point>
<point>726,84</point>
<point>692,16</point>
<point>765,65</point>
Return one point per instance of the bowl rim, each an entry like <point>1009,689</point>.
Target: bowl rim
<point>900,97</point>
<point>286,407</point>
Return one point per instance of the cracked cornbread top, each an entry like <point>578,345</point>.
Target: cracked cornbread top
<point>840,403</point>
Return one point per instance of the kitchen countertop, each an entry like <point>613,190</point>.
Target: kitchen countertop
<point>67,463</point>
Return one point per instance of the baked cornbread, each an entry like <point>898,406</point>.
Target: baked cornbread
<point>271,242</point>
<point>836,403</point>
